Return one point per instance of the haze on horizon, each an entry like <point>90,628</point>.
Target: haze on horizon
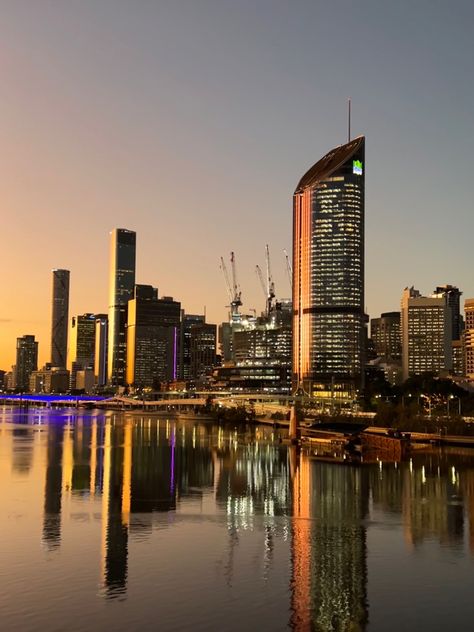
<point>191,123</point>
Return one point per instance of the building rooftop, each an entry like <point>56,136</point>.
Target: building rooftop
<point>329,163</point>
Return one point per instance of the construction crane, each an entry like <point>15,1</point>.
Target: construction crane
<point>233,290</point>
<point>259,272</point>
<point>223,267</point>
<point>270,283</point>
<point>289,269</point>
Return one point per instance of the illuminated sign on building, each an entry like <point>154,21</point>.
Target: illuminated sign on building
<point>357,167</point>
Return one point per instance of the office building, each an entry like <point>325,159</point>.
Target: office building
<point>81,352</point>
<point>121,285</point>
<point>101,340</point>
<point>453,299</point>
<point>426,334</point>
<point>26,361</point>
<point>50,379</point>
<point>82,341</point>
<point>59,317</point>
<point>261,353</point>
<point>152,338</point>
<point>187,322</point>
<point>385,335</point>
<point>468,338</point>
<point>328,274</point>
<point>203,350</point>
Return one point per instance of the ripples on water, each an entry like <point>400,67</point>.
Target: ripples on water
<point>129,522</point>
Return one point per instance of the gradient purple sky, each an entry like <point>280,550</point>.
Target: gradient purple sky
<point>191,122</point>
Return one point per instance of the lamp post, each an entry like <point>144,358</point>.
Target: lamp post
<point>459,403</point>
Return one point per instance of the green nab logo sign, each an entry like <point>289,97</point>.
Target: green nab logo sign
<point>357,167</point>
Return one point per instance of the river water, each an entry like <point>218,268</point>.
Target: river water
<point>128,522</point>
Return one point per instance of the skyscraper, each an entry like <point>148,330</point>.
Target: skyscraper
<point>453,299</point>
<point>328,274</point>
<point>468,338</point>
<point>385,334</point>
<point>152,338</point>
<point>82,342</point>
<point>426,333</point>
<point>59,318</point>
<point>26,360</point>
<point>81,352</point>
<point>121,284</point>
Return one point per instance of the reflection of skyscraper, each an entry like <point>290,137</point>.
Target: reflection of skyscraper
<point>428,510</point>
<point>59,318</point>
<point>121,284</point>
<point>328,273</point>
<point>53,487</point>
<point>329,584</point>
<point>114,530</point>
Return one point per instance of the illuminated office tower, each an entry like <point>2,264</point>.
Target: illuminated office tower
<point>59,319</point>
<point>121,284</point>
<point>187,323</point>
<point>81,352</point>
<point>152,338</point>
<point>203,350</point>
<point>426,333</point>
<point>26,361</point>
<point>328,274</point>
<point>82,341</point>
<point>100,360</point>
<point>385,334</point>
<point>468,338</point>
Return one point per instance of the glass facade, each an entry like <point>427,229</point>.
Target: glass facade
<point>328,273</point>
<point>121,286</point>
<point>59,317</point>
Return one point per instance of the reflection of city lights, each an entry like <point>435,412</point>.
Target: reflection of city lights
<point>423,477</point>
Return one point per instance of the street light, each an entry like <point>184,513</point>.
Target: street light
<point>459,403</point>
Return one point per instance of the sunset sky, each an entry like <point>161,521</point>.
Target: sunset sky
<point>191,122</point>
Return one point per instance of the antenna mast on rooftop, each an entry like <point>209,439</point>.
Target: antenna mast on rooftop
<point>349,121</point>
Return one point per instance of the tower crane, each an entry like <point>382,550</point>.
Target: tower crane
<point>270,283</point>
<point>233,290</point>
<point>259,272</point>
<point>226,278</point>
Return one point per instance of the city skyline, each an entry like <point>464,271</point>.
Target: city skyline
<point>98,132</point>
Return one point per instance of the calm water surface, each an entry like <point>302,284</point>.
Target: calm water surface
<point>124,522</point>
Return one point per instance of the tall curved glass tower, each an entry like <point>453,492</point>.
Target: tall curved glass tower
<point>328,274</point>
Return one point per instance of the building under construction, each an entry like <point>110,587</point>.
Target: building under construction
<point>256,351</point>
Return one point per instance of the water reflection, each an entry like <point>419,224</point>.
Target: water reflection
<point>135,471</point>
<point>329,583</point>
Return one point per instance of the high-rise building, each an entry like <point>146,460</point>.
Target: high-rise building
<point>426,334</point>
<point>26,361</point>
<point>468,338</point>
<point>82,341</point>
<point>101,338</point>
<point>453,299</point>
<point>121,285</point>
<point>81,352</point>
<point>187,322</point>
<point>59,318</point>
<point>328,274</point>
<point>203,350</point>
<point>385,335</point>
<point>152,338</point>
